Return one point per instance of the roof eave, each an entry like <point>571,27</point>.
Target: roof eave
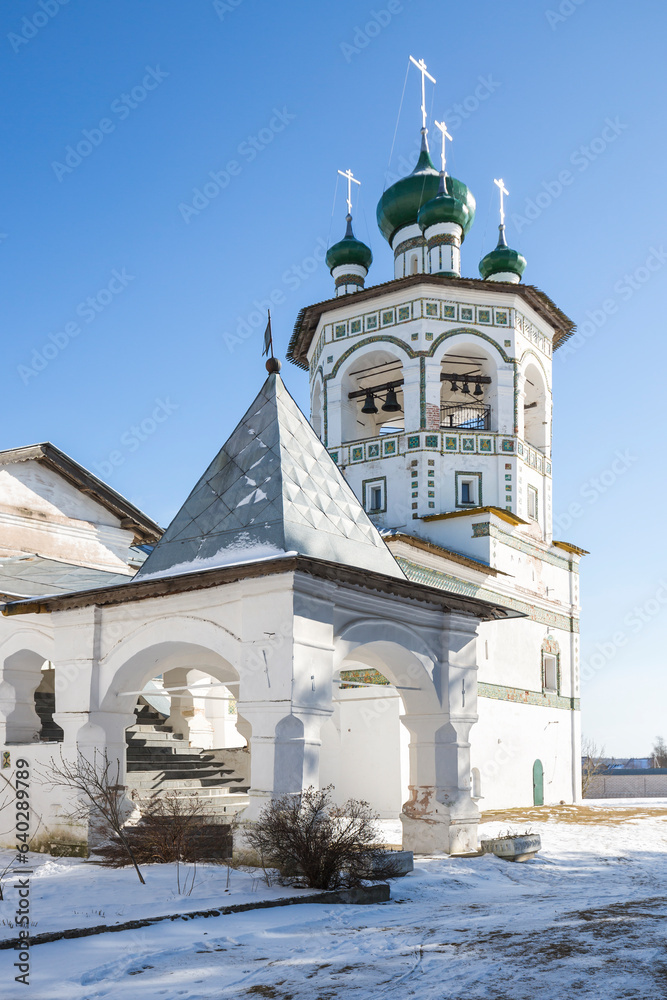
<point>131,518</point>
<point>308,319</point>
<point>205,579</point>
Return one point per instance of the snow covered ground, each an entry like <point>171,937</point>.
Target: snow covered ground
<point>586,919</point>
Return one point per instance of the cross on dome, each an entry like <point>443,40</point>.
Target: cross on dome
<point>421,66</point>
<point>500,184</point>
<point>350,178</point>
<point>445,135</point>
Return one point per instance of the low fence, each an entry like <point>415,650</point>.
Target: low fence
<point>628,784</point>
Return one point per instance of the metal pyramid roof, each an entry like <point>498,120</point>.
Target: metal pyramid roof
<point>271,489</point>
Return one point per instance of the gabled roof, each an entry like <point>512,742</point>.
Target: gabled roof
<point>53,458</point>
<point>309,317</point>
<point>272,489</point>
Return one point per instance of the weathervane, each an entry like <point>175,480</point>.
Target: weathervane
<point>350,178</point>
<point>500,184</point>
<point>421,66</point>
<point>445,135</point>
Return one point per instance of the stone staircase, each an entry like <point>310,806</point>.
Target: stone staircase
<point>159,762</point>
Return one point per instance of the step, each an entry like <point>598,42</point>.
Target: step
<point>149,729</point>
<point>146,781</point>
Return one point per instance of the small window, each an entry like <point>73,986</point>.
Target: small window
<point>414,264</point>
<point>476,783</point>
<point>468,492</point>
<point>550,672</point>
<point>374,493</point>
<point>532,503</point>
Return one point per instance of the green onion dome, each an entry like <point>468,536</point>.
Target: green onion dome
<point>349,250</point>
<point>451,204</point>
<point>502,260</point>
<point>401,203</point>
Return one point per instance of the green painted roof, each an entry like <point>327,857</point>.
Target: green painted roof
<point>401,203</point>
<point>503,258</point>
<point>349,250</point>
<point>446,207</point>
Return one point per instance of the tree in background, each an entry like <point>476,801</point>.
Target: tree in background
<point>592,762</point>
<point>659,753</point>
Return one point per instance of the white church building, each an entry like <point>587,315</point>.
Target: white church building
<point>371,599</point>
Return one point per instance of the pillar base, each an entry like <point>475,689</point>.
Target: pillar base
<point>435,835</point>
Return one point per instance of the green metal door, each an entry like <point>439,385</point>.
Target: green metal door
<point>538,783</point>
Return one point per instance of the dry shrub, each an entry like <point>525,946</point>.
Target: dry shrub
<point>313,843</point>
<point>172,828</point>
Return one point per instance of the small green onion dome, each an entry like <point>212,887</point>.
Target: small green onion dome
<point>446,206</point>
<point>349,250</point>
<point>503,258</point>
<point>401,203</point>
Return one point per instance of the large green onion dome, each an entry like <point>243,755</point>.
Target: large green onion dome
<point>401,203</point>
<point>451,204</point>
<point>502,260</point>
<point>349,250</point>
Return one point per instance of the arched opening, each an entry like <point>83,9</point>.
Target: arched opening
<point>365,746</point>
<point>468,388</point>
<point>476,782</point>
<point>316,411</point>
<point>21,678</point>
<point>372,395</point>
<point>45,705</point>
<point>536,419</point>
<point>378,682</point>
<point>187,737</point>
<point>414,264</point>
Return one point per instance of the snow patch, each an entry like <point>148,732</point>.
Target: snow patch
<point>243,551</point>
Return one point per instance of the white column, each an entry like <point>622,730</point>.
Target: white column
<point>441,814</point>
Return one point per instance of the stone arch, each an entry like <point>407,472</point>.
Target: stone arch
<point>398,653</point>
<point>173,642</point>
<point>22,657</point>
<point>317,407</point>
<point>467,356</point>
<point>536,407</point>
<point>380,364</point>
<point>469,332</point>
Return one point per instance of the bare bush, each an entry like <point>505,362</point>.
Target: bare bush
<point>172,828</point>
<point>313,843</point>
<point>592,762</point>
<point>100,795</point>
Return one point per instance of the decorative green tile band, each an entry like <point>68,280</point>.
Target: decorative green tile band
<point>434,578</point>
<point>498,692</point>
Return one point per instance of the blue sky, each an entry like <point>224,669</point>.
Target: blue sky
<point>133,303</point>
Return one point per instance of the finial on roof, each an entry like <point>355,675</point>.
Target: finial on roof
<point>273,366</point>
